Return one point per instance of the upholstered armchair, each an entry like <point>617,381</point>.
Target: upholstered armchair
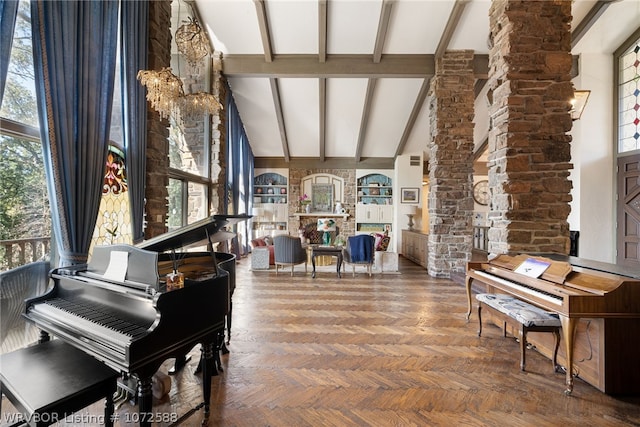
<point>360,250</point>
<point>289,251</point>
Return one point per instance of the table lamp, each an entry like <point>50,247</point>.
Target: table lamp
<point>412,211</point>
<point>326,225</point>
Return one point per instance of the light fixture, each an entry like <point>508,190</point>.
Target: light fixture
<point>197,104</point>
<point>165,90</point>
<point>192,42</point>
<point>578,103</point>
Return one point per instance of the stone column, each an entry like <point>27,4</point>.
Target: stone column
<point>157,179</point>
<point>529,149</point>
<point>218,141</point>
<point>450,145</point>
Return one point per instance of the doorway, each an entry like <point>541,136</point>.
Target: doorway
<point>628,208</point>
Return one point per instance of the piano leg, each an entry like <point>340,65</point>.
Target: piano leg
<point>180,363</point>
<point>145,400</point>
<point>468,281</point>
<point>108,411</point>
<point>207,371</point>
<point>568,330</point>
<point>216,362</point>
<point>44,337</point>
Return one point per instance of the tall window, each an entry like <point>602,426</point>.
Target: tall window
<point>629,98</point>
<point>189,140</point>
<point>25,218</point>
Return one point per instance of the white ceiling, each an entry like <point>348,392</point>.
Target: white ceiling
<point>371,104</point>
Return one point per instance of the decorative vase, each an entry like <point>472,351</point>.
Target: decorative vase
<point>307,208</point>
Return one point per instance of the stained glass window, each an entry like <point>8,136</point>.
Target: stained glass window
<point>629,100</point>
<point>113,224</point>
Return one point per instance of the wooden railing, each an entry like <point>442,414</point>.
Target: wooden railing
<point>481,238</point>
<point>14,253</point>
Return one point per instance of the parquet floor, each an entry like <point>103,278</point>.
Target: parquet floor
<point>390,350</point>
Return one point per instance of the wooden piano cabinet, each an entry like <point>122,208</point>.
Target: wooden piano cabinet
<point>606,353</point>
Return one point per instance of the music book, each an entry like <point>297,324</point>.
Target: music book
<point>532,267</point>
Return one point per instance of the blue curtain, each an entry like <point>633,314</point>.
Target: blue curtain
<point>74,46</point>
<point>133,57</point>
<point>8,13</point>
<point>239,170</point>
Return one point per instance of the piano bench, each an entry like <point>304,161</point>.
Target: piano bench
<point>524,317</point>
<point>50,381</point>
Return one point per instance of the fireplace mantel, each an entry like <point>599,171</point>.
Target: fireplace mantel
<point>321,215</point>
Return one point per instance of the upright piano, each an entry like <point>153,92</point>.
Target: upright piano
<point>134,324</point>
<point>578,290</point>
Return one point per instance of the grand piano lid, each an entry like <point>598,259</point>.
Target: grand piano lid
<point>233,219</point>
<point>200,233</point>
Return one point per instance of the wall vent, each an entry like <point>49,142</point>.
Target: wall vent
<point>414,160</point>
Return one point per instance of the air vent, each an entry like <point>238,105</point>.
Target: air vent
<point>414,161</point>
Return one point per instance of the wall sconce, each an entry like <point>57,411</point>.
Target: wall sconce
<point>578,103</point>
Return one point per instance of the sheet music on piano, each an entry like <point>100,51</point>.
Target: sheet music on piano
<point>117,268</point>
<point>132,267</point>
<point>532,267</point>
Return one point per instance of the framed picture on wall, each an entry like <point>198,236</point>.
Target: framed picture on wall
<point>322,197</point>
<point>409,195</point>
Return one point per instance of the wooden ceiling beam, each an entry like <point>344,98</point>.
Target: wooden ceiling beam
<point>263,24</point>
<point>383,26</point>
<point>590,18</point>
<point>417,107</point>
<point>323,116</point>
<point>366,113</point>
<point>343,66</point>
<point>322,30</point>
<point>450,28</point>
<point>277,103</point>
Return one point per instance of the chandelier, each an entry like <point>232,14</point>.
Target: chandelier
<point>192,42</point>
<point>165,90</point>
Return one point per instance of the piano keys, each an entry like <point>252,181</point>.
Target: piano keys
<point>134,325</point>
<point>597,307</point>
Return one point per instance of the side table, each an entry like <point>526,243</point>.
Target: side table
<point>319,250</point>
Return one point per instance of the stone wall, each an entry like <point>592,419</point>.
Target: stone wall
<point>529,148</point>
<point>347,228</point>
<point>218,141</point>
<point>157,178</point>
<point>196,132</point>
<point>451,110</point>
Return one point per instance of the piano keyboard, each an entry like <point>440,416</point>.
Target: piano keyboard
<point>93,317</point>
<point>547,296</point>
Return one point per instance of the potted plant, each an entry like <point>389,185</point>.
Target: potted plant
<point>305,203</point>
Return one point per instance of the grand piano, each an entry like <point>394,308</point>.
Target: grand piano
<point>603,298</point>
<point>133,324</point>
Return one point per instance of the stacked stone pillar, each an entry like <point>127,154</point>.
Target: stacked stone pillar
<point>529,149</point>
<point>157,176</point>
<point>451,111</point>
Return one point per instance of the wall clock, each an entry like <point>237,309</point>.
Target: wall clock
<point>481,192</point>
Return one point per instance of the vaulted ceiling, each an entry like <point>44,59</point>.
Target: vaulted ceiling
<point>348,79</point>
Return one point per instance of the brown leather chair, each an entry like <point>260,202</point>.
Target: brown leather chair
<point>289,251</point>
